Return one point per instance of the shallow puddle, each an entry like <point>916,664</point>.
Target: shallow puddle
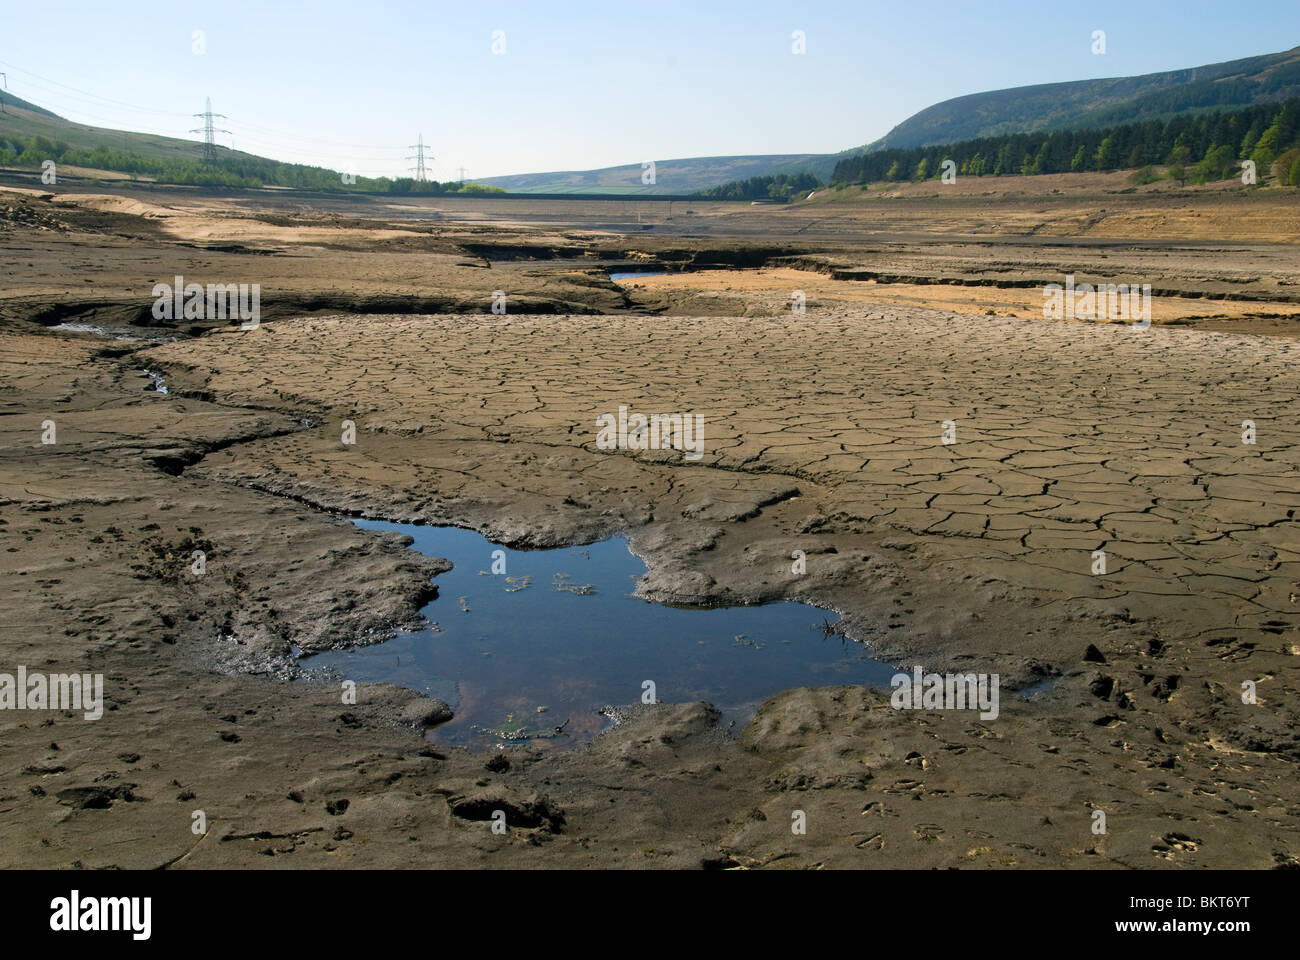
<point>108,332</point>
<point>554,636</point>
<point>642,273</point>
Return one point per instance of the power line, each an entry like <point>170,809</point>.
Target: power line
<point>79,94</point>
<point>253,133</point>
<point>113,127</point>
<point>56,100</point>
<point>117,103</point>
<point>296,138</point>
<point>108,127</point>
<point>261,134</point>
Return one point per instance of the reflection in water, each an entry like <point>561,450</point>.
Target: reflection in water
<point>553,636</point>
<point>645,273</point>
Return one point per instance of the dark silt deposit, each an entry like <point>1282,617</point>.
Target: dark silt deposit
<point>536,646</point>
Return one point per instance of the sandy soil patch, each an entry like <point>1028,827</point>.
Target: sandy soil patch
<point>775,287</point>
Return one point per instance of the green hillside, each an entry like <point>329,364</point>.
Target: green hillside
<point>1199,146</point>
<point>1099,103</point>
<point>1082,103</point>
<point>21,121</point>
<point>180,161</point>
<point>30,135</point>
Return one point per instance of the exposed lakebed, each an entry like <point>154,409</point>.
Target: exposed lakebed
<point>554,636</point>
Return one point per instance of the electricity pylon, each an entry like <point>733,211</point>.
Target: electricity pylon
<point>209,132</point>
<point>419,168</point>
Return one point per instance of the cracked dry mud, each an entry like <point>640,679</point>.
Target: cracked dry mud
<point>822,434</point>
<point>975,555</point>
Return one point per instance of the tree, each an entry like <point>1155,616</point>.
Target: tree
<point>1217,164</point>
<point>1003,164</point>
<point>1040,162</point>
<point>1142,177</point>
<point>1106,154</point>
<point>1251,138</point>
<point>1184,140</point>
<point>1275,139</point>
<point>1288,166</point>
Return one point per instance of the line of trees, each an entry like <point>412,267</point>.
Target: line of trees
<point>780,186</point>
<point>232,171</point>
<point>1199,147</point>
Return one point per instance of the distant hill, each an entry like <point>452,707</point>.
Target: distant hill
<point>1212,143</point>
<point>11,102</point>
<point>1080,103</point>
<point>22,120</point>
<point>671,176</point>
<point>1074,105</point>
<point>1098,103</point>
<point>30,134</point>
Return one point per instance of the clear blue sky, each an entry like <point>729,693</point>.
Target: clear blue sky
<point>581,84</point>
